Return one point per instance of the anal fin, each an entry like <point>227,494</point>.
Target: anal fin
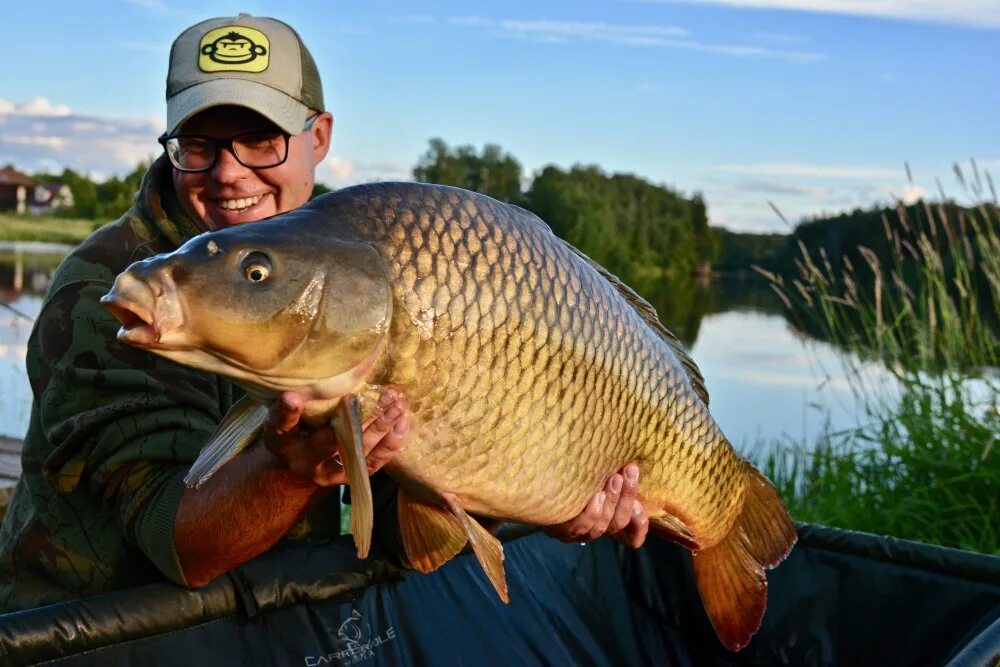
<point>238,429</point>
<point>487,548</point>
<point>431,534</point>
<point>733,589</point>
<point>346,423</point>
<point>668,526</point>
<point>730,574</point>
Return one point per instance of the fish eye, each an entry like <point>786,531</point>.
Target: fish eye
<point>256,267</point>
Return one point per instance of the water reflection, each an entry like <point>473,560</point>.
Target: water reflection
<point>765,379</point>
<point>683,304</point>
<point>25,273</point>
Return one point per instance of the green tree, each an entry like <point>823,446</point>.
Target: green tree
<point>94,200</point>
<point>491,172</point>
<point>633,227</point>
<point>319,189</point>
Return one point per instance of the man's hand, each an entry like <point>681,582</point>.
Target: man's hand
<point>613,511</point>
<point>252,502</point>
<point>312,454</point>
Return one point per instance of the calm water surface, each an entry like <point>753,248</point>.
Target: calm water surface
<point>767,383</point>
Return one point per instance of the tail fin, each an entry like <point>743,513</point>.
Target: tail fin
<point>730,575</point>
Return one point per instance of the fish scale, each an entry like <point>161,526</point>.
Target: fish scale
<point>532,374</point>
<point>547,284</point>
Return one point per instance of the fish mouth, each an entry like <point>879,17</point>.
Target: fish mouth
<point>137,322</point>
<point>147,311</point>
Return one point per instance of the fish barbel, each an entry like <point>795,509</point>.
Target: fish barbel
<point>532,373</point>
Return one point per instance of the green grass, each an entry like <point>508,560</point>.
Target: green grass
<point>70,231</point>
<point>924,463</point>
<point>926,468</point>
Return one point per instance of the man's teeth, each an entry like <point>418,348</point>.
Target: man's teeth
<point>238,204</point>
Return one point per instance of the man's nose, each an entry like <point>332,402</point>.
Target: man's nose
<point>227,168</point>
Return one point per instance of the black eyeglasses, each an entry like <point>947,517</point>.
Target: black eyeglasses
<point>259,149</point>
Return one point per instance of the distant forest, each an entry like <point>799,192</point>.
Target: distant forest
<point>639,230</point>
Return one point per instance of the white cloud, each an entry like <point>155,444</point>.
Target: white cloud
<point>41,136</point>
<point>338,172</point>
<point>661,36</point>
<point>974,13</point>
<point>21,140</point>
<point>339,168</point>
<point>38,106</point>
<point>907,193</point>
<point>741,197</point>
<point>639,35</point>
<point>794,169</point>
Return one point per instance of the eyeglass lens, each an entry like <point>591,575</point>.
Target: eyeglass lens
<point>257,150</point>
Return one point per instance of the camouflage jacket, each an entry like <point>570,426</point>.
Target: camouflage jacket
<point>113,429</point>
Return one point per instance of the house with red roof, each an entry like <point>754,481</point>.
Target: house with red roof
<point>16,191</point>
<point>19,193</point>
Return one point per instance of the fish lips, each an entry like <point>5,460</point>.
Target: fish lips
<point>148,313</point>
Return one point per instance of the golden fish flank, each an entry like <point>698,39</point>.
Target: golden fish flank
<point>534,373</point>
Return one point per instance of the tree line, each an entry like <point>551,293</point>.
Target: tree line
<point>639,230</point>
<point>97,200</point>
<point>633,227</point>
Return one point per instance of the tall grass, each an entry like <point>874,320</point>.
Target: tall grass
<point>924,461</point>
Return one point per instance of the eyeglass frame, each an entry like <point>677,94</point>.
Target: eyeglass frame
<point>227,144</point>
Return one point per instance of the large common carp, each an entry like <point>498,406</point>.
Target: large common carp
<point>533,375</point>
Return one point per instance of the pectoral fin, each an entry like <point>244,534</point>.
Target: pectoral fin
<point>487,548</point>
<point>346,424</point>
<point>431,534</point>
<point>238,429</point>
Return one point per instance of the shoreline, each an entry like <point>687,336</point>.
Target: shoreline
<point>35,247</point>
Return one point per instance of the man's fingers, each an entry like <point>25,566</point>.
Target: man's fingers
<point>284,414</point>
<point>331,471</point>
<point>626,502</point>
<point>576,528</point>
<point>389,445</point>
<point>390,409</point>
<point>635,533</point>
<point>612,491</point>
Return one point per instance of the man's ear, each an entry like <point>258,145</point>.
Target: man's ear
<point>322,132</point>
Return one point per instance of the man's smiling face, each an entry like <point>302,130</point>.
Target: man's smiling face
<point>230,193</point>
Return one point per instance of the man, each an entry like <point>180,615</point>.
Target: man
<point>101,504</point>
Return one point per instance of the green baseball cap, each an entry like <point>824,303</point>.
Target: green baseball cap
<point>253,62</point>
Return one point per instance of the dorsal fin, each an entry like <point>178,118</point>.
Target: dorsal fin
<point>642,307</point>
<point>648,314</point>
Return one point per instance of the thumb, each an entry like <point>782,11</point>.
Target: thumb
<point>285,412</point>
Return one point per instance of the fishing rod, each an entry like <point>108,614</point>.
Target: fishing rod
<point>16,311</point>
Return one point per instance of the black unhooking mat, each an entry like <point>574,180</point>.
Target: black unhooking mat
<point>841,598</point>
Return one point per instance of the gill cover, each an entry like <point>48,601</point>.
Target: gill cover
<point>278,309</point>
<point>349,319</point>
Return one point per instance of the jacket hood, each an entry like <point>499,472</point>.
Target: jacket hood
<point>157,203</point>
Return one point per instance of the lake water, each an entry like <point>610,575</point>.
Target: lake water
<point>767,382</point>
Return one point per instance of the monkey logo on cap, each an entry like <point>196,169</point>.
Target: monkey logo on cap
<point>234,48</point>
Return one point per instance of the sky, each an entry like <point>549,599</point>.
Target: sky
<point>814,106</point>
